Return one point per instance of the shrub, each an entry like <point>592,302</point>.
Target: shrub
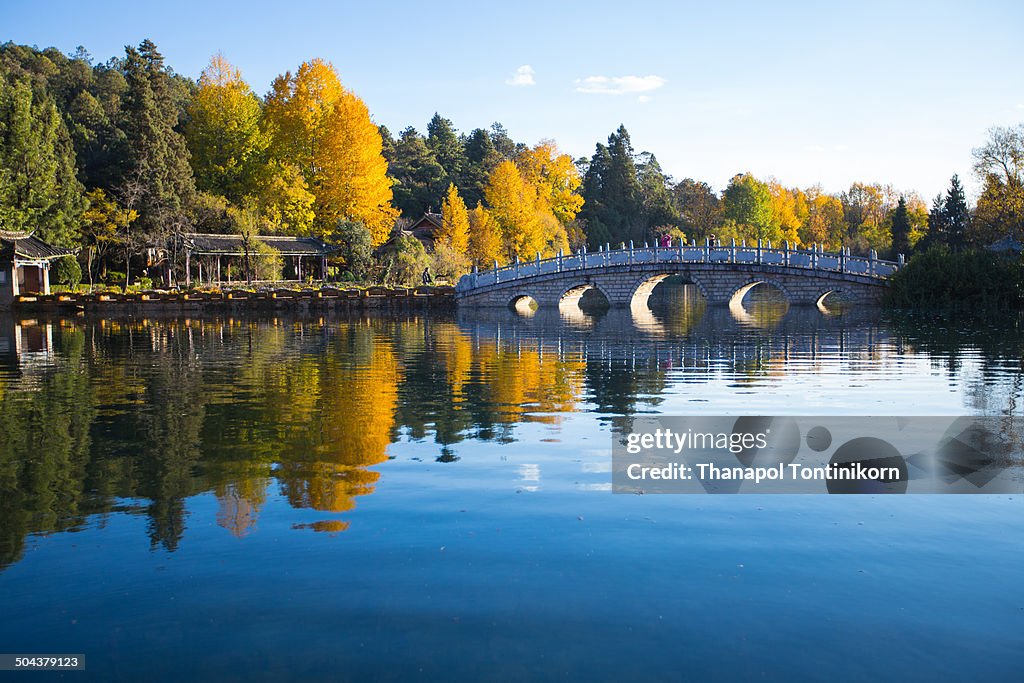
<point>69,272</point>
<point>967,279</point>
<point>115,278</point>
<point>356,247</point>
<point>405,261</point>
<point>447,263</point>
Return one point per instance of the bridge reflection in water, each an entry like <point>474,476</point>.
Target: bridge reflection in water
<point>138,416</point>
<point>684,331</point>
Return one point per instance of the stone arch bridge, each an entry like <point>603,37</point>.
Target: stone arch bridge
<point>723,274</point>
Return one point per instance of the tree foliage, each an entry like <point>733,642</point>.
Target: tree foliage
<point>484,238</point>
<point>356,248</point>
<point>405,262</point>
<point>973,279</point>
<point>225,134</point>
<point>326,131</point>
<point>454,232</point>
<point>748,202</point>
<point>39,190</point>
<point>999,164</point>
<point>418,175</point>
<point>901,228</point>
<point>513,207</point>
<point>156,179</point>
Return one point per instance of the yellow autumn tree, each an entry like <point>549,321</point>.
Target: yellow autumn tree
<point>285,201</point>
<point>454,232</point>
<point>326,131</point>
<point>825,223</point>
<point>297,110</point>
<point>555,177</point>
<point>788,211</point>
<point>513,204</point>
<point>224,132</point>
<point>484,238</point>
<point>355,185</point>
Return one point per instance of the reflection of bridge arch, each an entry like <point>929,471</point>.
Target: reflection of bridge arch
<point>572,295</point>
<point>821,301</point>
<point>624,335</point>
<point>522,303</point>
<point>758,320</point>
<point>736,298</point>
<point>641,292</point>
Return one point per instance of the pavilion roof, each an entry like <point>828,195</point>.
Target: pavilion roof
<point>233,245</point>
<point>23,245</point>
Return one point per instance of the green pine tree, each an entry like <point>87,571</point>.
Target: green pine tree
<point>901,228</point>
<point>444,142</point>
<point>39,190</point>
<point>156,178</point>
<point>420,179</point>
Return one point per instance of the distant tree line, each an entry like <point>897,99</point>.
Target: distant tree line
<point>119,156</point>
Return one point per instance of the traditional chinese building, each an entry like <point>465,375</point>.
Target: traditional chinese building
<point>425,230</point>
<point>25,265</point>
<point>303,256</point>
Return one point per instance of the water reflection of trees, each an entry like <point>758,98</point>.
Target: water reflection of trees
<point>985,350</point>
<point>139,416</point>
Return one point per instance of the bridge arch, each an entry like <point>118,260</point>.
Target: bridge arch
<point>823,294</point>
<point>736,297</point>
<point>572,295</point>
<point>640,293</point>
<point>522,303</point>
<point>829,300</point>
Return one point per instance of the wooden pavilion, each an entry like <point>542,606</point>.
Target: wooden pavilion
<point>25,265</point>
<point>304,255</point>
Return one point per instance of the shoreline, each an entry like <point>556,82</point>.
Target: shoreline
<point>196,301</point>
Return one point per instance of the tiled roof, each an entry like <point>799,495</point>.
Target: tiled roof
<point>202,243</point>
<point>25,246</point>
<point>427,224</point>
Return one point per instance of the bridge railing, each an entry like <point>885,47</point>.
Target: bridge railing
<point>762,254</point>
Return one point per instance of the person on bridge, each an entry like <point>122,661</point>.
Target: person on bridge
<point>427,277</point>
<point>666,240</point>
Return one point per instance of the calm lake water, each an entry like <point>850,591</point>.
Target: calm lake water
<point>428,498</point>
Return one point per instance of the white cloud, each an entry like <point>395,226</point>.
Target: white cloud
<point>618,85</point>
<point>522,76</point>
<point>1020,106</point>
<point>820,149</point>
<point>643,99</point>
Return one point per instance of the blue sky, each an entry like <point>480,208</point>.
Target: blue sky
<point>808,92</point>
